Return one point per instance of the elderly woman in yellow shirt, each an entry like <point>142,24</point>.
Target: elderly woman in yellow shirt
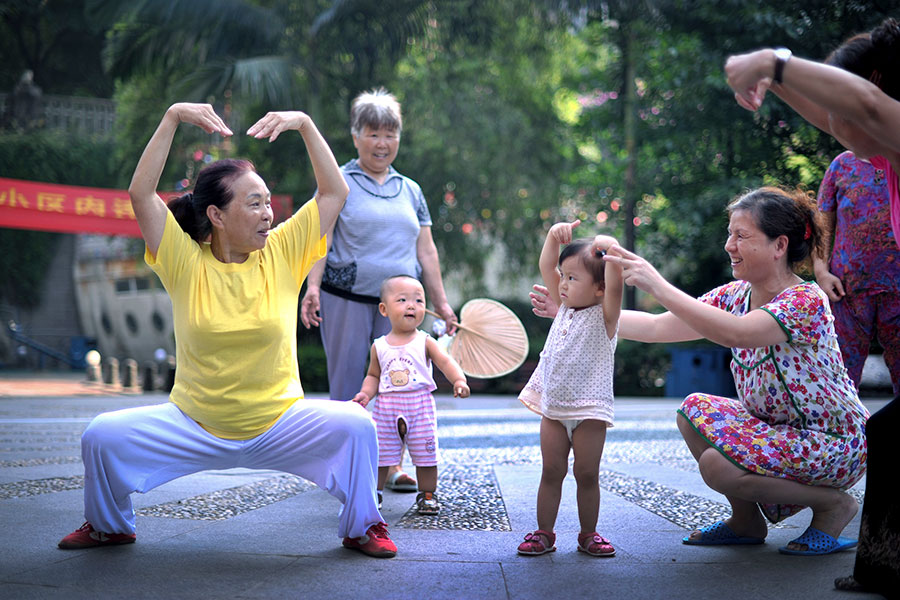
<point>237,400</point>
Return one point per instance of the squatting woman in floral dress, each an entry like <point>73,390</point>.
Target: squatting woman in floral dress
<point>795,436</point>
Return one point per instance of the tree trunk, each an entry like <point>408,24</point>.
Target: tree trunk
<point>629,127</point>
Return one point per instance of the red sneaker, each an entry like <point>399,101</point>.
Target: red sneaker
<point>378,545</point>
<point>86,537</point>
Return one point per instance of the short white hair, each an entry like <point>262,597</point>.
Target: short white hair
<point>376,109</point>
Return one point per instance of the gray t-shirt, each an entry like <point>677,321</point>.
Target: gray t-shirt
<point>375,234</point>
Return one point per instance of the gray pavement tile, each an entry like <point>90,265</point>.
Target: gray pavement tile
<point>393,579</point>
<point>30,591</point>
<point>116,571</point>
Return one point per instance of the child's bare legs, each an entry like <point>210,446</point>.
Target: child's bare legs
<point>832,508</point>
<point>555,457</point>
<point>588,440</point>
<point>427,477</point>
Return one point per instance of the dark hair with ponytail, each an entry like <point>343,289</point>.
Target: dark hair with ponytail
<point>874,56</point>
<point>791,213</point>
<point>213,188</point>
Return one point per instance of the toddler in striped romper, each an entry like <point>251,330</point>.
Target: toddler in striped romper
<point>400,373</point>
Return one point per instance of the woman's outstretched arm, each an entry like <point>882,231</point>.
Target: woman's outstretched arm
<point>755,329</point>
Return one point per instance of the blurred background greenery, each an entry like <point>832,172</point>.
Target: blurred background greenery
<point>517,114</point>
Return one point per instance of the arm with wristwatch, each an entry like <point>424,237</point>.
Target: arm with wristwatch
<point>809,87</point>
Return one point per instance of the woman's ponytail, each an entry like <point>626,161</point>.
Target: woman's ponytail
<point>185,214</point>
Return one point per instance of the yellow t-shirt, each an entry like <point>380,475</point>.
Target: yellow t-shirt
<point>236,324</point>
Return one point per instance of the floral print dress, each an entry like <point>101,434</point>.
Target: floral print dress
<point>866,259</point>
<point>797,415</point>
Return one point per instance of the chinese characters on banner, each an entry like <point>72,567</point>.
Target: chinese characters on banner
<point>74,209</point>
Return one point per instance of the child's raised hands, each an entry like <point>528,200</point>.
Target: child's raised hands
<point>562,232</point>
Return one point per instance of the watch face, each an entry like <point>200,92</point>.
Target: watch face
<point>782,54</point>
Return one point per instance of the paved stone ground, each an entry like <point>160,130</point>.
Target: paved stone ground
<point>264,534</point>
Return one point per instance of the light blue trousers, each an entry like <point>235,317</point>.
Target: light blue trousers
<point>332,444</point>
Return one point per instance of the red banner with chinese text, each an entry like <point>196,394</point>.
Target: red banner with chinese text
<point>75,209</point>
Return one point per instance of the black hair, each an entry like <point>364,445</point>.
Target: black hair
<point>874,55</point>
<point>213,188</point>
<point>595,265</point>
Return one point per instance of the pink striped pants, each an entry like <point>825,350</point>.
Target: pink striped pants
<point>418,412</point>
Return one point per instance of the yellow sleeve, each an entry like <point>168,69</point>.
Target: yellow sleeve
<point>299,240</point>
<point>176,250</point>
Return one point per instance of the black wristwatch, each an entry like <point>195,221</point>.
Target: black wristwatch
<point>782,56</point>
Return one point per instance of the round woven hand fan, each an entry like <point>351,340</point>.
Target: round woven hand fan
<point>491,340</point>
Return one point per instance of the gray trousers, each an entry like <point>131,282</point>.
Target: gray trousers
<point>348,329</point>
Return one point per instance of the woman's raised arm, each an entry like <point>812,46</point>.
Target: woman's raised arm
<point>333,189</point>
<point>859,101</point>
<point>149,208</point>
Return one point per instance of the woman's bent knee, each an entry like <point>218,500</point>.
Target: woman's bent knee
<point>102,430</point>
<point>356,422</point>
<point>718,472</point>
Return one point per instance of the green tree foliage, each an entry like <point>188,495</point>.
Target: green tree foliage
<point>695,149</point>
<point>482,135</point>
<point>54,40</point>
<point>248,58</point>
<point>476,86</point>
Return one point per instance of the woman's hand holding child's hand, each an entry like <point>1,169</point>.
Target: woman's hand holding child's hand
<point>636,271</point>
<point>603,244</point>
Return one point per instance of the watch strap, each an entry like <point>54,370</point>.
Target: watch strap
<point>782,56</point>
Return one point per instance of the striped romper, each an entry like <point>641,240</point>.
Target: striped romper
<point>404,394</point>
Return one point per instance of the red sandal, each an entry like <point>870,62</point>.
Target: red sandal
<point>595,545</point>
<point>534,546</point>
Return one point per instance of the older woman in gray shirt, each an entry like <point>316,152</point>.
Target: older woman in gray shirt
<point>383,230</point>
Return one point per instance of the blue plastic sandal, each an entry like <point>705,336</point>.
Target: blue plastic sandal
<point>817,543</point>
<point>720,534</point>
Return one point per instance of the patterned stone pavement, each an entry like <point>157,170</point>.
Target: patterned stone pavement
<point>256,535</point>
<point>472,443</point>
